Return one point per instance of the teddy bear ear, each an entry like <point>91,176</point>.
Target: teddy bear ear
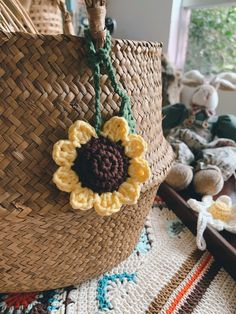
<point>193,78</point>
<point>225,81</point>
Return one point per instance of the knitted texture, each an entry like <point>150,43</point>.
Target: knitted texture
<point>165,274</point>
<point>102,172</point>
<point>219,214</point>
<point>101,165</point>
<point>96,59</point>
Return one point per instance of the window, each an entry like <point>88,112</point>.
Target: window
<point>203,35</point>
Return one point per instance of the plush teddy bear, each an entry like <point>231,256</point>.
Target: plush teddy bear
<point>204,143</point>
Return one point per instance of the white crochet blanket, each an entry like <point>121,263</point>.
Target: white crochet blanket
<point>165,274</point>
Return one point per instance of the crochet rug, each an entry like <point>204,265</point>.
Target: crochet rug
<point>165,274</point>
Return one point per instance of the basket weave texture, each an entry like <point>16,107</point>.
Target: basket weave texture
<point>45,86</point>
<point>46,16</point>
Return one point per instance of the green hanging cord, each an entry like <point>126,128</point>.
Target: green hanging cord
<point>98,114</point>
<point>102,55</point>
<point>125,108</point>
<point>94,64</point>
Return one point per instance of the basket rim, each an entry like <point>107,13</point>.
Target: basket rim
<point>142,43</point>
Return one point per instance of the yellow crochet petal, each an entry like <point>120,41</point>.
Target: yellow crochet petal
<point>81,132</point>
<point>135,146</point>
<point>82,198</point>
<point>64,153</point>
<point>139,170</point>
<point>116,129</point>
<point>107,203</point>
<point>65,179</point>
<point>220,210</point>
<point>129,192</point>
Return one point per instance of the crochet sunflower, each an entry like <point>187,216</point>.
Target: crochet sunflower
<point>102,172</point>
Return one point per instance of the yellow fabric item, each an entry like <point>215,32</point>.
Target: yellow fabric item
<point>65,179</point>
<point>220,210</point>
<point>116,129</point>
<point>82,198</point>
<point>80,133</point>
<point>64,153</point>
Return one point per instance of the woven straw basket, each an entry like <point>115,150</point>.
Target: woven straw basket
<point>48,15</point>
<point>45,86</point>
<point>13,17</point>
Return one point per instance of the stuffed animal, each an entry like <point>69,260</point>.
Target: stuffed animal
<point>204,143</point>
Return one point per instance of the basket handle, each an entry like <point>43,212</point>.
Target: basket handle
<point>96,15</point>
<point>67,20</point>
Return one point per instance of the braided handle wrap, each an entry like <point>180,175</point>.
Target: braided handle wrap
<point>96,15</point>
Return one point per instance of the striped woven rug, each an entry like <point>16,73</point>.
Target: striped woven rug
<point>165,274</point>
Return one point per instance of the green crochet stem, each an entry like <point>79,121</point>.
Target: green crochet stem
<point>101,56</point>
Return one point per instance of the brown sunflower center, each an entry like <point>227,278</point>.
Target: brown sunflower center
<point>101,165</point>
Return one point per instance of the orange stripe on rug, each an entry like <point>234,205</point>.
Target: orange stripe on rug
<point>164,294</point>
<point>188,285</point>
